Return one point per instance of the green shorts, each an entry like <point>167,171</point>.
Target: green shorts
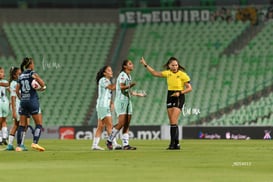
<point>103,112</point>
<point>123,107</point>
<point>4,109</point>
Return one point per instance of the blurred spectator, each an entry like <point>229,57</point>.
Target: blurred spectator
<point>247,14</point>
<point>221,14</point>
<point>269,14</point>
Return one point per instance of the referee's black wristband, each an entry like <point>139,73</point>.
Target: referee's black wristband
<point>145,65</point>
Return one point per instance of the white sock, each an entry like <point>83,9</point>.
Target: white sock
<point>11,138</point>
<point>115,143</point>
<point>125,139</point>
<point>96,141</point>
<point>1,136</point>
<point>113,134</point>
<point>5,132</point>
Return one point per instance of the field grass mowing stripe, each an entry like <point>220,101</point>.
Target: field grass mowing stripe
<point>199,160</point>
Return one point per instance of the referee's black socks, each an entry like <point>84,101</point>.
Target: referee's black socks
<point>174,135</point>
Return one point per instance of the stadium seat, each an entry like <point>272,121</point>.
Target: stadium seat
<point>66,56</point>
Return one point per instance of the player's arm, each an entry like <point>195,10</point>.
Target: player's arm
<point>112,107</point>
<point>111,86</point>
<point>4,84</point>
<point>138,94</point>
<point>150,69</point>
<point>124,87</point>
<point>18,90</point>
<point>39,80</point>
<point>13,107</point>
<point>187,89</point>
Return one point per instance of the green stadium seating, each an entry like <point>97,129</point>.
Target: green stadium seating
<point>217,81</point>
<point>67,56</point>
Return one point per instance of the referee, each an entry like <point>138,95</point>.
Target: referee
<point>178,85</point>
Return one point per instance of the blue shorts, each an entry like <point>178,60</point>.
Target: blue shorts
<point>28,108</point>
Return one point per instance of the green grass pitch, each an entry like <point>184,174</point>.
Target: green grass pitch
<point>198,161</point>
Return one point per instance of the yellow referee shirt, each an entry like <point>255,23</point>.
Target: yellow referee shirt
<point>176,81</point>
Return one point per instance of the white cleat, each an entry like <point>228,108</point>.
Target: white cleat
<point>96,148</point>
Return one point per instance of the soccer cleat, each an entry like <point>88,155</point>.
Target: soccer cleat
<point>18,149</point>
<point>21,148</point>
<point>5,141</point>
<point>97,148</point>
<point>9,147</point>
<point>128,147</point>
<point>174,147</point>
<point>109,145</point>
<point>37,147</point>
<point>117,147</point>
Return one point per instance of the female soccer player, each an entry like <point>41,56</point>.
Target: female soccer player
<point>178,85</point>
<point>123,105</point>
<point>104,105</point>
<point>29,102</point>
<point>15,104</point>
<point>4,107</point>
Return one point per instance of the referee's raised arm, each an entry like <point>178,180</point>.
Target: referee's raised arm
<point>150,69</point>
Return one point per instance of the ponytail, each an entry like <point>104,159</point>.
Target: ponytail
<point>25,63</point>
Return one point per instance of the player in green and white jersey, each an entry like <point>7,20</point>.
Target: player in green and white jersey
<point>15,105</point>
<point>4,107</point>
<point>123,105</point>
<point>104,106</point>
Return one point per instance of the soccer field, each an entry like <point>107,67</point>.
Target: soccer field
<point>198,161</point>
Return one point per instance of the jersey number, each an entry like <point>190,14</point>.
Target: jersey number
<point>25,86</point>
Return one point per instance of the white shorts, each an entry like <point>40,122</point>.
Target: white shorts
<point>4,109</point>
<point>123,107</point>
<point>103,112</point>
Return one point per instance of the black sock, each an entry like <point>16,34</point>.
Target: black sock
<point>174,134</point>
<point>176,138</point>
<point>20,131</point>
<point>37,133</point>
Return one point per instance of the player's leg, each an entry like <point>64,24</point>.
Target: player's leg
<point>20,132</point>
<point>173,115</point>
<point>37,132</point>
<point>1,139</point>
<point>4,111</point>
<point>109,126</point>
<point>120,108</point>
<point>4,130</point>
<point>15,119</point>
<point>115,130</point>
<point>96,140</point>
<point>12,134</point>
<point>125,134</point>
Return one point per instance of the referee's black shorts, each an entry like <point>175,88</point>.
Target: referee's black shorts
<point>175,101</point>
